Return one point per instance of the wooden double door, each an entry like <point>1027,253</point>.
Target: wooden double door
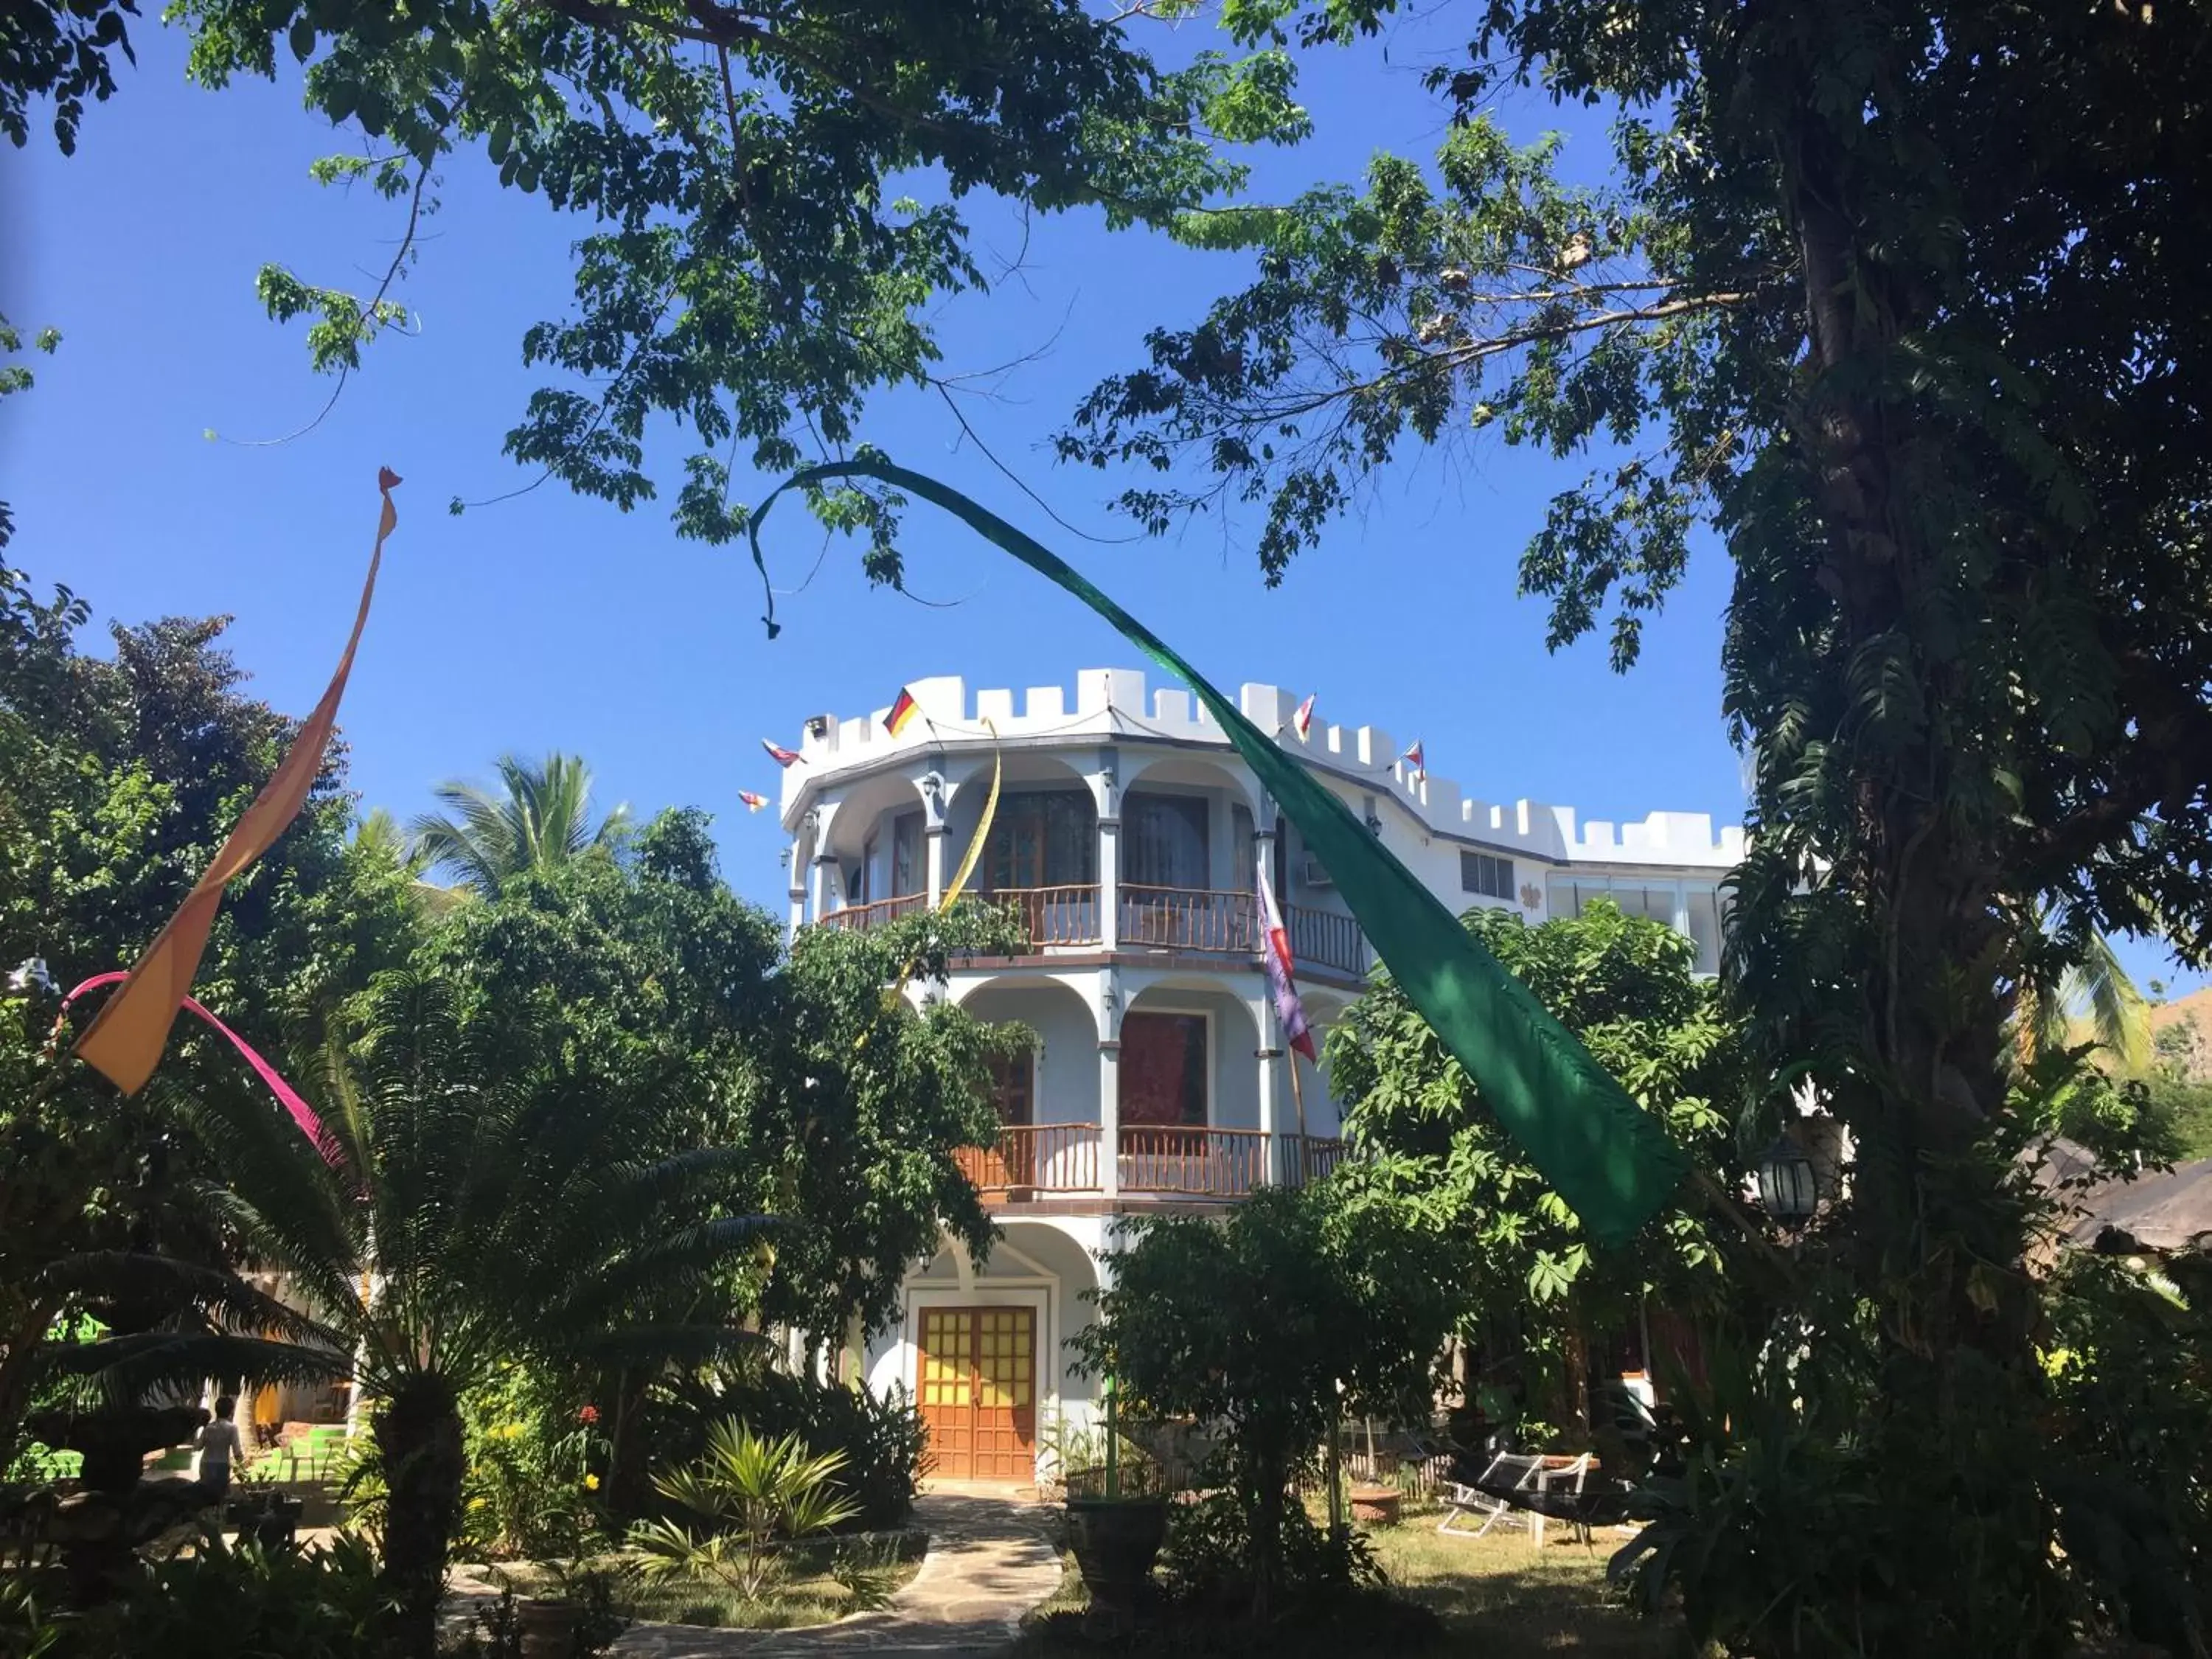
<point>978,1377</point>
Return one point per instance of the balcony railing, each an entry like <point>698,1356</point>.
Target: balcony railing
<point>1155,1160</point>
<point>1054,915</point>
<point>1207,920</point>
<point>1326,938</point>
<point>1189,919</point>
<point>860,918</point>
<point>1036,1158</point>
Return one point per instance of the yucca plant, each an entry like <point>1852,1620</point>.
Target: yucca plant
<point>754,1493</point>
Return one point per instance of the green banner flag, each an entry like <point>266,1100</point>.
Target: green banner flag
<point>1608,1157</point>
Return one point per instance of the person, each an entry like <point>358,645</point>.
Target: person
<point>218,1447</point>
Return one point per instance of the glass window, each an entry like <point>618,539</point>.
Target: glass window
<point>1486,873</point>
<point>1705,928</point>
<point>1163,1069</point>
<point>1165,838</point>
<point>1044,838</point>
<point>1013,1084</point>
<point>909,873</point>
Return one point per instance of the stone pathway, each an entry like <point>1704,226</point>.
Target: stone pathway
<point>991,1559</point>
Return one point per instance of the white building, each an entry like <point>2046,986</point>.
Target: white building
<point>1130,835</point>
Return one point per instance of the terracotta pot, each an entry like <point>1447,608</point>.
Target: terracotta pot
<point>1376,1506</point>
<point>548,1628</point>
<point>1115,1540</point>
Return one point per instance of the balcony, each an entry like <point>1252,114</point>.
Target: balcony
<point>1197,920</point>
<point>1036,1160</point>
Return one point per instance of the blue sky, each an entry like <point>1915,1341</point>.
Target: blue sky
<point>547,622</point>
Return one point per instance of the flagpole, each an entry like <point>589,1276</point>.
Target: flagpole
<point>1298,1095</point>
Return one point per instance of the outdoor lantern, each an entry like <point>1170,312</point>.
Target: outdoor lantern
<point>1787,1190</point>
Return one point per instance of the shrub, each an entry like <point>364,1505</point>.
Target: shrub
<point>881,1441</point>
<point>220,1602</point>
<point>536,1463</point>
<point>752,1493</point>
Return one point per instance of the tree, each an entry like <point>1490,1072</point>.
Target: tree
<point>540,817</point>
<point>750,270</point>
<point>473,1213</point>
<point>1531,1290</point>
<point>1895,299</point>
<point>2090,982</point>
<point>1269,1325</point>
<point>846,1106</point>
<point>118,780</point>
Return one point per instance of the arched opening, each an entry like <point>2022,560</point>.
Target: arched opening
<point>1041,856</point>
<point>1188,1093</point>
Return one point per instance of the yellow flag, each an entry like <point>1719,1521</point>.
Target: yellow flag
<point>125,1042</point>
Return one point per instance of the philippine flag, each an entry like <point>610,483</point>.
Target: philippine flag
<point>1302,720</point>
<point>781,756</point>
<point>1276,957</point>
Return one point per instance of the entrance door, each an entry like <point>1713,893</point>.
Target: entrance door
<point>979,1391</point>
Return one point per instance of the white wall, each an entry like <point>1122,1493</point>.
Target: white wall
<point>1067,1033</point>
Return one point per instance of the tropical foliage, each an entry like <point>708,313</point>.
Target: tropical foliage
<point>1533,1292</point>
<point>749,1492</point>
<point>1270,1324</point>
<point>539,816</point>
<point>471,1214</point>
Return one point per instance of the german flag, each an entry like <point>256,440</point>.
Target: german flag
<point>902,713</point>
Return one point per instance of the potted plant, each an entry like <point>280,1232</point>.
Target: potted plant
<point>1117,1519</point>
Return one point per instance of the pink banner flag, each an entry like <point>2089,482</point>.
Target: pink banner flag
<point>310,1124</point>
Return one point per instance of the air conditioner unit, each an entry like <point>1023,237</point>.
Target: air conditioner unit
<point>1314,875</point>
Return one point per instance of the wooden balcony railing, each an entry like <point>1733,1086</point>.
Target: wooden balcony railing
<point>1206,920</point>
<point>860,918</point>
<point>1190,918</point>
<point>1192,1162</point>
<point>1042,1158</point>
<point>1054,915</point>
<point>1325,939</point>
<point>1155,1161</point>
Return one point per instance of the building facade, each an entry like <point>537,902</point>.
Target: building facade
<point>1130,839</point>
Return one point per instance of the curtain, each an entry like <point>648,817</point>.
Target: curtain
<point>1163,1070</point>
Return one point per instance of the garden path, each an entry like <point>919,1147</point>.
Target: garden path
<point>991,1559</point>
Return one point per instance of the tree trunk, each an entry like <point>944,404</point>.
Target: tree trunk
<point>419,1438</point>
<point>1269,1477</point>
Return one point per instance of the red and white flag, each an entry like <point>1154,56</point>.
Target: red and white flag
<point>1417,760</point>
<point>1302,720</point>
<point>753,802</point>
<point>781,756</point>
<point>1275,954</point>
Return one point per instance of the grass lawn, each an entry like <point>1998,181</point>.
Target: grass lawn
<point>1498,1597</point>
<point>1501,1596</point>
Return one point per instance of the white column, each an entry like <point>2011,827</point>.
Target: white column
<point>823,868</point>
<point>934,862</point>
<point>795,863</point>
<point>1270,1056</point>
<point>1106,787</point>
<point>1682,911</point>
<point>1109,1083</point>
<point>1109,884</point>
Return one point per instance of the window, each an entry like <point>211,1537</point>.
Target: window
<point>1705,928</point>
<point>1044,838</point>
<point>1014,1088</point>
<point>1163,1069</point>
<point>908,874</point>
<point>1166,836</point>
<point>1487,874</point>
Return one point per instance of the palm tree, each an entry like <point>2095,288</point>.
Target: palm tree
<point>472,1213</point>
<point>2087,984</point>
<point>540,817</point>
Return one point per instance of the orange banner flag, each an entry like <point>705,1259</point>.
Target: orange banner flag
<point>125,1042</point>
